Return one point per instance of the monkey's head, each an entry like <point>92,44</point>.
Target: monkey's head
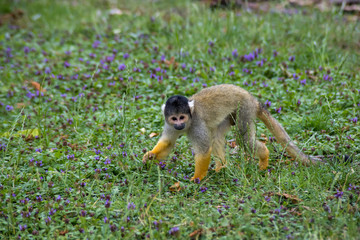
<point>177,111</point>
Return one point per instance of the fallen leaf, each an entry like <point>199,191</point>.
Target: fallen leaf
<point>293,198</point>
<point>62,233</point>
<point>37,86</point>
<point>196,233</point>
<point>153,135</point>
<point>20,105</point>
<point>176,187</point>
<point>294,211</point>
<point>172,62</point>
<point>27,132</point>
<point>232,144</point>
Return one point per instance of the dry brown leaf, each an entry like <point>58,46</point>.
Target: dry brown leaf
<point>153,135</point>
<point>20,105</point>
<point>176,187</point>
<point>62,233</point>
<point>37,86</point>
<point>232,144</point>
<point>30,137</point>
<point>196,233</point>
<point>294,211</point>
<point>293,198</point>
<point>62,137</point>
<point>171,62</point>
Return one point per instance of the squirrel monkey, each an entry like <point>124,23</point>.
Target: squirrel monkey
<point>207,116</point>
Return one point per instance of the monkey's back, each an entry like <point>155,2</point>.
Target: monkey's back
<point>217,102</point>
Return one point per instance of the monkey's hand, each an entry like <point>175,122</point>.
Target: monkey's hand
<point>148,156</point>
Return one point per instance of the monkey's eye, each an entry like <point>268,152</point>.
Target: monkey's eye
<point>182,117</point>
<point>173,118</point>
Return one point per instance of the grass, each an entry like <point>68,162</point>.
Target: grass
<point>71,154</point>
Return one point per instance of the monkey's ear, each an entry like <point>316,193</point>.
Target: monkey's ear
<point>163,108</point>
<point>191,105</point>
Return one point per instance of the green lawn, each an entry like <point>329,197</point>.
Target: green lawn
<point>81,88</point>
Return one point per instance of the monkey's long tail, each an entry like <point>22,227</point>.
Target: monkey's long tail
<point>283,138</point>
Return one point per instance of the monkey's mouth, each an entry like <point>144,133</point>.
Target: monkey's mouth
<point>179,126</point>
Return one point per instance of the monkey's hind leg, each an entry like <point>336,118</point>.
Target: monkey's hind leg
<point>263,154</point>
<point>218,144</point>
<point>253,146</point>
<point>202,161</point>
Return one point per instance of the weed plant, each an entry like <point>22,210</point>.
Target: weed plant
<point>82,84</point>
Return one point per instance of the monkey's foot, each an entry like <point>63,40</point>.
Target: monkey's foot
<point>263,165</point>
<point>148,156</point>
<point>196,179</point>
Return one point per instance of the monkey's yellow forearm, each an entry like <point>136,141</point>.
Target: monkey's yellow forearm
<point>162,149</point>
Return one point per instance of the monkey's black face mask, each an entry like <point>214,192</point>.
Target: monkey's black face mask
<point>176,105</point>
<point>177,112</point>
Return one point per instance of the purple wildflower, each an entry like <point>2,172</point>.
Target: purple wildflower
<point>52,212</point>
<point>235,53</point>
<point>83,213</point>
<point>113,228</point>
<point>249,57</point>
<point>174,231</point>
<point>131,206</point>
<point>203,189</point>
<point>26,50</point>
<point>22,227</point>
<point>327,78</point>
<point>339,194</point>
<point>354,120</point>
<point>9,108</point>
<point>66,64</point>
<point>96,44</point>
<point>267,103</point>
<point>48,220</point>
<point>107,203</point>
